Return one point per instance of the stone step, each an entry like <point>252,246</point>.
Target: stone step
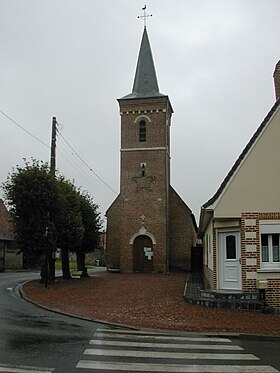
<point>238,296</point>
<point>197,292</point>
<point>233,304</point>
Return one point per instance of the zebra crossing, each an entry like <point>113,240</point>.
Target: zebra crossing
<point>139,351</point>
<point>6,368</point>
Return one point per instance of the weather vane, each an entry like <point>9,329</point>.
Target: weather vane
<point>145,15</point>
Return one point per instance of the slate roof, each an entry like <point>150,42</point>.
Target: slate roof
<point>243,154</point>
<point>5,223</point>
<point>145,81</point>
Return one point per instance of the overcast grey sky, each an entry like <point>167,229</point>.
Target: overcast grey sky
<point>73,59</point>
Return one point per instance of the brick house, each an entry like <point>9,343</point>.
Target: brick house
<point>9,258</point>
<point>149,227</point>
<point>240,224</point>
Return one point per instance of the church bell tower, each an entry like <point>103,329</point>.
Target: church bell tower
<point>138,229</point>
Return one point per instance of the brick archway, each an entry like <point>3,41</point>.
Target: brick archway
<point>142,254</point>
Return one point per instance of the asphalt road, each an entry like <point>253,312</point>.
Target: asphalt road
<point>267,349</point>
<point>31,336</point>
<point>36,340</point>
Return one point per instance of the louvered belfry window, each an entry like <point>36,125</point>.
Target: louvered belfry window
<point>142,131</point>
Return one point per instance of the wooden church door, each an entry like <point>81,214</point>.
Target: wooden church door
<point>142,254</point>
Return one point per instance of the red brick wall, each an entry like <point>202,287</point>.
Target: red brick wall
<point>249,284</point>
<point>154,112</point>
<point>155,223</point>
<point>113,234</point>
<point>250,270</point>
<point>146,195</point>
<point>182,232</point>
<point>273,293</point>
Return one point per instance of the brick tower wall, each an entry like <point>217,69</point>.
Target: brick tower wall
<point>144,195</point>
<point>146,205</point>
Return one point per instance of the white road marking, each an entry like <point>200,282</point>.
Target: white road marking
<point>168,355</point>
<point>98,342</point>
<point>142,367</point>
<point>24,369</point>
<point>141,335</point>
<point>126,345</point>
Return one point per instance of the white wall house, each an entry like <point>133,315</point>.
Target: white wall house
<point>240,224</point>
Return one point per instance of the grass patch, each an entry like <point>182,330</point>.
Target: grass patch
<point>58,265</point>
<point>72,265</point>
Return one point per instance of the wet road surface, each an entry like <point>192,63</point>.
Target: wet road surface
<point>34,340</point>
<point>33,337</point>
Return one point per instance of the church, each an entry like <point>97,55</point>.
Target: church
<point>149,227</point>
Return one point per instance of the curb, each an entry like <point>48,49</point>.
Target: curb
<point>256,337</point>
<point>23,296</point>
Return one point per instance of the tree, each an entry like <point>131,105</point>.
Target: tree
<point>92,224</point>
<point>68,222</point>
<point>31,193</point>
<point>47,213</point>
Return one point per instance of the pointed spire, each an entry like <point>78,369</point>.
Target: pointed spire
<point>276,76</point>
<point>145,81</point>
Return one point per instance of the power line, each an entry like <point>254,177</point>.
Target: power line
<point>85,163</point>
<point>24,129</point>
<point>70,146</point>
<point>83,172</point>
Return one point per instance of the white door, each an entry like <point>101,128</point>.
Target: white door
<point>229,261</point>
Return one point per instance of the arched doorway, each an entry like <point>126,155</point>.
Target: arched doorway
<point>142,254</point>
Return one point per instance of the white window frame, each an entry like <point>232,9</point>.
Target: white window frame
<point>270,229</point>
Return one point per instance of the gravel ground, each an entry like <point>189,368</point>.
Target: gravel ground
<point>145,301</point>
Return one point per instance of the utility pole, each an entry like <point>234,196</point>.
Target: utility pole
<point>51,254</point>
<point>53,146</point>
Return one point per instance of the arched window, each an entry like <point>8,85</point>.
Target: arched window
<point>142,130</point>
<point>143,169</point>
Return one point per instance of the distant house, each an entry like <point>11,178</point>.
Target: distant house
<point>97,257</point>
<point>9,257</point>
<point>240,224</point>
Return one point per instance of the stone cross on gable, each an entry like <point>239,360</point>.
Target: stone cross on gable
<point>145,15</point>
<point>142,229</point>
<point>142,220</point>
